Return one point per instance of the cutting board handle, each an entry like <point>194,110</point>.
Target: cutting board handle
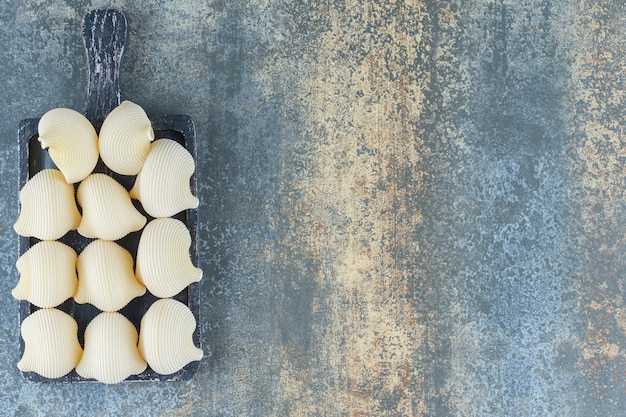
<point>104,36</point>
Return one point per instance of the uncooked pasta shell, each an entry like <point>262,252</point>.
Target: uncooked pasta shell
<point>165,337</point>
<point>163,262</point>
<point>111,353</point>
<point>51,347</point>
<point>48,209</point>
<point>106,276</point>
<point>108,212</point>
<point>72,142</point>
<point>162,185</point>
<point>125,138</point>
<point>47,274</point>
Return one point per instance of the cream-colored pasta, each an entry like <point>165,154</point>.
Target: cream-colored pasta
<point>111,353</point>
<point>165,336</point>
<point>105,276</point>
<point>108,212</point>
<point>162,185</point>
<point>51,347</point>
<point>125,138</point>
<point>163,262</point>
<point>72,142</point>
<point>48,209</point>
<point>47,274</point>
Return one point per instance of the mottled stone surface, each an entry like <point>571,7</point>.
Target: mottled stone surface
<point>407,208</point>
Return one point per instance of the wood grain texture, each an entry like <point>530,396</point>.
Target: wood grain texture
<point>104,37</point>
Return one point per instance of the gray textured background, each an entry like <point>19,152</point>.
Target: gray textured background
<point>411,208</point>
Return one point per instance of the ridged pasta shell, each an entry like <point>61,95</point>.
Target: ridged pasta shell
<point>111,353</point>
<point>51,347</point>
<point>108,212</point>
<point>105,276</point>
<point>165,337</point>
<point>72,142</point>
<point>162,185</point>
<point>163,262</point>
<point>125,138</point>
<point>47,274</point>
<point>48,208</point>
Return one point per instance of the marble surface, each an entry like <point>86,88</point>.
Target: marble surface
<point>409,208</point>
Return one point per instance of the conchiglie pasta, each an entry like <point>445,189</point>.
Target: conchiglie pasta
<point>106,276</point>
<point>48,209</point>
<point>125,138</point>
<point>111,353</point>
<point>47,274</point>
<point>72,142</point>
<point>108,212</point>
<point>165,337</point>
<point>162,185</point>
<point>51,347</point>
<point>163,262</point>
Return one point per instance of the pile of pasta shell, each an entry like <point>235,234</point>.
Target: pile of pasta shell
<point>104,274</point>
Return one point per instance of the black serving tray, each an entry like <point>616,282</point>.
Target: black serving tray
<point>104,36</point>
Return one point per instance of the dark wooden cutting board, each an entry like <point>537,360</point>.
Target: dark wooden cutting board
<point>104,35</point>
